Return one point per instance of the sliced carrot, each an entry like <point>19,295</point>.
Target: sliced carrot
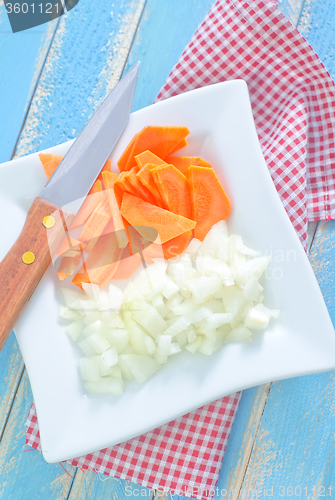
<point>112,178</point>
<point>121,182</point>
<point>137,187</point>
<point>144,175</point>
<point>146,217</point>
<point>92,200</point>
<point>118,194</point>
<point>68,265</point>
<point>169,249</point>
<point>106,168</point>
<point>121,235</point>
<point>160,140</point>
<point>102,262</point>
<point>179,146</point>
<point>176,245</point>
<point>95,224</point>
<point>123,160</point>
<point>174,189</point>
<point>183,162</point>
<point>50,162</point>
<point>148,157</point>
<point>69,245</point>
<point>127,267</point>
<point>209,200</point>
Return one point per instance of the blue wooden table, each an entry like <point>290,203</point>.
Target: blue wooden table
<point>52,78</point>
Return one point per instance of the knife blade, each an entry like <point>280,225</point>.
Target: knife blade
<point>52,213</point>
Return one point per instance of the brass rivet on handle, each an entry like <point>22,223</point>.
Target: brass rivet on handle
<point>28,257</point>
<point>49,221</point>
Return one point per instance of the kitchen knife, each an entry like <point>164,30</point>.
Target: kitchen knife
<point>48,221</point>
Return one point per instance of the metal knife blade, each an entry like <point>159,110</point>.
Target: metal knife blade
<point>78,170</point>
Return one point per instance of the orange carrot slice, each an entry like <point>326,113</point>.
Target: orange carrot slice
<point>176,245</point>
<point>92,200</point>
<point>102,262</point>
<point>174,189</point>
<point>68,265</point>
<point>112,178</point>
<point>50,162</point>
<point>69,247</point>
<point>179,146</point>
<point>146,217</point>
<point>144,175</point>
<point>105,168</point>
<point>160,140</point>
<point>148,157</point>
<point>183,162</point>
<point>127,267</point>
<point>136,187</point>
<point>95,224</point>
<point>121,235</point>
<point>123,160</point>
<point>169,249</point>
<point>209,200</point>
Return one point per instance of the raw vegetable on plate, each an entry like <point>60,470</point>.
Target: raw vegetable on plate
<point>193,293</point>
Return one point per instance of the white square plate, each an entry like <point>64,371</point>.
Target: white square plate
<point>301,341</point>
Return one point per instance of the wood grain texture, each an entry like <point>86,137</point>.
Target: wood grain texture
<point>25,475</point>
<point>85,62</point>
<point>18,279</point>
<point>163,33</point>
<point>317,25</point>
<point>291,9</point>
<point>294,446</point>
<point>21,61</point>
<point>89,484</point>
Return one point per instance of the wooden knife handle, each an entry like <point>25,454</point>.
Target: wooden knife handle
<point>26,262</point>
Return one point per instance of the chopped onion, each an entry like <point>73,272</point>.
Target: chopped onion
<point>199,301</point>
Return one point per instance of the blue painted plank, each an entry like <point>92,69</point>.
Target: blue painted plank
<point>291,9</point>
<point>11,369</point>
<point>23,474</point>
<point>22,57</point>
<point>89,484</point>
<point>85,61</point>
<point>317,25</point>
<point>294,449</point>
<point>163,33</point>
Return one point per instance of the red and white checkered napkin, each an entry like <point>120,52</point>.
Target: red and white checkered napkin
<point>183,456</point>
<point>293,101</point>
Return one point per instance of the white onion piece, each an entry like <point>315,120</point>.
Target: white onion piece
<point>193,346</point>
<point>150,320</point>
<point>141,367</point>
<point>115,297</point>
<point>159,304</point>
<point>107,360</point>
<point>74,329</point>
<point>118,338</point>
<point>193,246</point>
<point>70,314</point>
<point>89,369</point>
<point>203,288</point>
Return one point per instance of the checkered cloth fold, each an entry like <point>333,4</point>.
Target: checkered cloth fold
<point>293,102</point>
